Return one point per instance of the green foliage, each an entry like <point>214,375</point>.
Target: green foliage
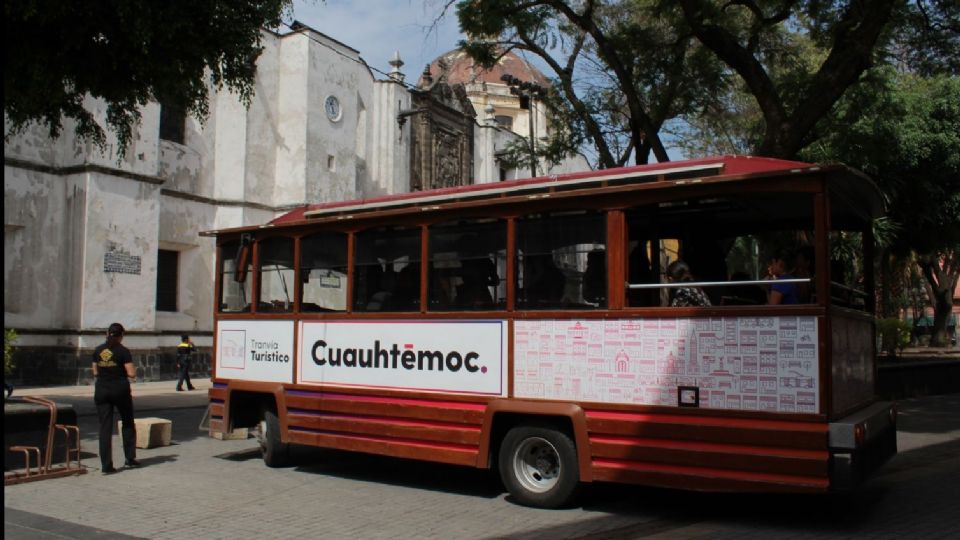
<point>894,335</point>
<point>903,130</point>
<point>621,69</point>
<point>792,55</point>
<point>127,53</point>
<point>906,135</point>
<point>738,77</point>
<point>9,337</point>
<point>930,37</point>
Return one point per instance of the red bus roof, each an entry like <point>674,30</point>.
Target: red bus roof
<point>722,165</point>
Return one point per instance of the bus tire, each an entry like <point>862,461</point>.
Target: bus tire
<point>538,466</point>
<point>276,453</point>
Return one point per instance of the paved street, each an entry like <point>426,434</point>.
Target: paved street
<point>200,487</point>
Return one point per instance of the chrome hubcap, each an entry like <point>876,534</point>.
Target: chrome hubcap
<point>536,464</point>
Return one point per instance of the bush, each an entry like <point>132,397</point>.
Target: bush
<point>894,335</point>
<point>9,336</point>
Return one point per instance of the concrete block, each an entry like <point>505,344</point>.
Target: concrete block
<point>151,432</point>
<point>235,435</point>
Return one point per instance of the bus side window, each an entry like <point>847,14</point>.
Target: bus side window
<point>845,270</point>
<point>276,275</point>
<point>323,267</point>
<point>595,278</point>
<point>561,261</point>
<point>234,293</point>
<point>387,270</point>
<point>639,271</point>
<point>467,260</point>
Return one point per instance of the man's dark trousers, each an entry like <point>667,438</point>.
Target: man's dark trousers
<point>184,373</point>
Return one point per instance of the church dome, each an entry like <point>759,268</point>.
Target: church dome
<point>458,67</point>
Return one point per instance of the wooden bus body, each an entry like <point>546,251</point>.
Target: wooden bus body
<point>528,326</point>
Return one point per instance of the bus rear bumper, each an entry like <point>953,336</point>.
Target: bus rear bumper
<point>861,443</point>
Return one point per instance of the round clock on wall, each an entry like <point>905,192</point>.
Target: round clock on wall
<point>332,106</point>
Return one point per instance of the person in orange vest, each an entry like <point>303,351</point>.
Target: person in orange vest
<point>185,352</point>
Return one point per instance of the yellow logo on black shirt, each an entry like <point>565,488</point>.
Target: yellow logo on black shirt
<point>106,359</point>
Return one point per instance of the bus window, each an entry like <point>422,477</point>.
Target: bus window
<point>467,264</point>
<point>744,264</point>
<point>561,261</point>
<point>847,287</point>
<point>387,270</point>
<point>323,270</point>
<point>234,294</point>
<point>738,249</point>
<point>276,275</point>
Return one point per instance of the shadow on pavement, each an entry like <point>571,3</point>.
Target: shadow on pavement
<point>186,424</point>
<point>914,487</point>
<point>20,525</point>
<point>241,455</point>
<point>932,414</point>
<point>157,460</point>
<point>897,485</point>
<point>398,471</point>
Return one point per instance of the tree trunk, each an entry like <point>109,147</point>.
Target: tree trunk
<point>941,271</point>
<point>884,291</point>
<point>942,307</point>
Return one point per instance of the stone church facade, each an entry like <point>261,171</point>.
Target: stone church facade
<point>90,239</point>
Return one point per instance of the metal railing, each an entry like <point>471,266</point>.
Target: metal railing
<point>44,467</point>
<point>714,283</point>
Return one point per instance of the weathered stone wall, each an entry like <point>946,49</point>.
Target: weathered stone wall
<point>59,366</point>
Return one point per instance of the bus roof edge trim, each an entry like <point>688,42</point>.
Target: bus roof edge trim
<point>407,201</point>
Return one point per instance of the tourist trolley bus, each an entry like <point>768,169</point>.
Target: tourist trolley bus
<point>530,326</point>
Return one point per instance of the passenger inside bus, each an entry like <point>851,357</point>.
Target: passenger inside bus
<point>406,293</point>
<point>442,291</point>
<point>679,272</point>
<point>478,276</point>
<point>781,293</point>
<point>544,281</point>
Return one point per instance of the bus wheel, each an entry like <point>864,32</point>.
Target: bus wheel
<point>275,452</point>
<point>538,466</point>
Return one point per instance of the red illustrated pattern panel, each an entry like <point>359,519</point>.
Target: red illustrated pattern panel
<point>737,363</point>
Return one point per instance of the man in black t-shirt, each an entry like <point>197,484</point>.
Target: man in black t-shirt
<point>113,368</point>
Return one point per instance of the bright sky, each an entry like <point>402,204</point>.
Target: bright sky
<point>376,28</point>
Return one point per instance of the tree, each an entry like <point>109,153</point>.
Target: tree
<point>922,37</point>
<point>126,52</point>
<point>621,68</point>
<point>795,59</point>
<point>906,136</point>
<point>928,41</point>
<point>793,95</point>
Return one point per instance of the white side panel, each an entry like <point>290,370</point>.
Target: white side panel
<point>255,350</point>
<point>466,357</point>
<point>734,363</point>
